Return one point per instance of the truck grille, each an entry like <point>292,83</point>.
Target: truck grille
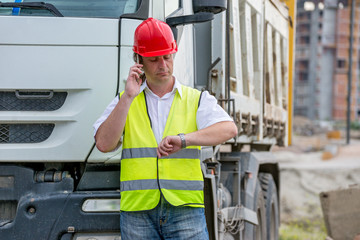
<point>25,133</point>
<point>31,101</point>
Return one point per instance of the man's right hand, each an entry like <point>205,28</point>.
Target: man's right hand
<point>133,82</point>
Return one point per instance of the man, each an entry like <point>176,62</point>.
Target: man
<point>162,123</point>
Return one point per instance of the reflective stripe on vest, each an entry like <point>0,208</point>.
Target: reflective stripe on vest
<point>148,184</point>
<point>151,152</point>
<point>143,176</point>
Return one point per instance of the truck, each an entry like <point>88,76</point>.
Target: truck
<point>62,62</point>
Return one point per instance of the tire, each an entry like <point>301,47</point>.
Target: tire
<point>252,232</point>
<point>271,204</point>
<point>260,229</point>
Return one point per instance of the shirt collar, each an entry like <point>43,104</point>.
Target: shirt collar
<point>177,86</point>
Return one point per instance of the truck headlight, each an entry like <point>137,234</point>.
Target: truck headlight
<point>101,205</point>
<point>97,236</point>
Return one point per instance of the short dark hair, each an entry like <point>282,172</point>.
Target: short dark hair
<point>135,56</point>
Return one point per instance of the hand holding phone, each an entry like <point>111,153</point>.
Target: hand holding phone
<point>135,79</point>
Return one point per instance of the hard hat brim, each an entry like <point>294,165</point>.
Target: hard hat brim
<point>156,53</point>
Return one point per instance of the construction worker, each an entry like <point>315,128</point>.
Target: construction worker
<point>161,124</point>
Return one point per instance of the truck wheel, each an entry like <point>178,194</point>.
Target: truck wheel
<point>260,229</point>
<point>253,232</point>
<point>271,204</point>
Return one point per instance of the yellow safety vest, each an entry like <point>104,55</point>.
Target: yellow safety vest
<point>144,176</point>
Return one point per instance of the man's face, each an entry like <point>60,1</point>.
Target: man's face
<point>159,68</point>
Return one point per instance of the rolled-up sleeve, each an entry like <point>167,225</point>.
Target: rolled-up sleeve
<point>210,112</point>
<point>105,114</point>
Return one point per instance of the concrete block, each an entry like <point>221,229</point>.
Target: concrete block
<point>341,210</point>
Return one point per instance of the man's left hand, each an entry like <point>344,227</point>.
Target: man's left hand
<point>169,145</point>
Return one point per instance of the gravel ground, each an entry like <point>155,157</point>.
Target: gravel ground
<point>304,174</point>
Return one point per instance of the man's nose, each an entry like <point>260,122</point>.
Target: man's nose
<point>162,62</point>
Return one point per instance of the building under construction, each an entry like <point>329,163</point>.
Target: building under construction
<point>322,60</point>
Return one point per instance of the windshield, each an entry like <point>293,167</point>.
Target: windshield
<point>77,8</point>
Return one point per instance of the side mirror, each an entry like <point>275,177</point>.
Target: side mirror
<point>214,6</point>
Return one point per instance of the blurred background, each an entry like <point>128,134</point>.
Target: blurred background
<point>325,151</point>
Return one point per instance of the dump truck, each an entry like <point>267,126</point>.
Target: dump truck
<point>61,64</point>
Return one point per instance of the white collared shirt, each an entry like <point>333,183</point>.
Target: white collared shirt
<point>208,113</point>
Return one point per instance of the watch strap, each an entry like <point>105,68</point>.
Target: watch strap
<point>183,142</point>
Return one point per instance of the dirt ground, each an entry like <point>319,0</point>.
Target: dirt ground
<point>313,165</point>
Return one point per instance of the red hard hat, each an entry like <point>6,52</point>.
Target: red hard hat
<point>154,38</point>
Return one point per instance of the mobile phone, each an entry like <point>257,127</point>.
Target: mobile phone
<point>141,75</point>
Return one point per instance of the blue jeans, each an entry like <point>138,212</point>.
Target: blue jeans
<point>164,222</point>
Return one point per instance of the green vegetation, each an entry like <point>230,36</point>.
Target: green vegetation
<point>355,125</point>
<point>303,230</point>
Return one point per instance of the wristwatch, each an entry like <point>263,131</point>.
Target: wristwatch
<point>183,142</point>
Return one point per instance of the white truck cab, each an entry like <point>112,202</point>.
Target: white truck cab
<point>63,61</point>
